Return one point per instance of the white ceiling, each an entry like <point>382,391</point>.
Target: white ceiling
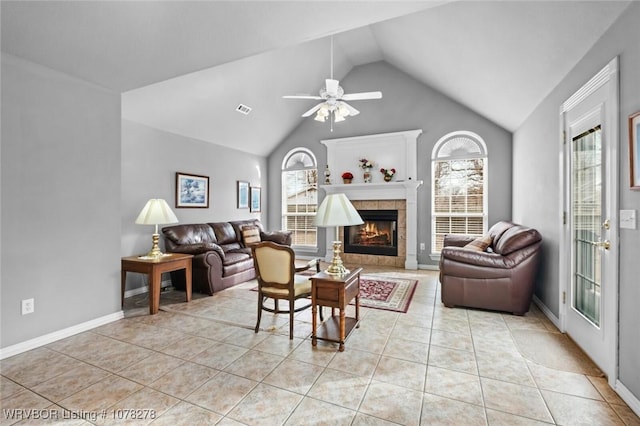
<point>183,67</point>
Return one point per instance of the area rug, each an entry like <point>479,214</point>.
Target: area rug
<point>389,294</point>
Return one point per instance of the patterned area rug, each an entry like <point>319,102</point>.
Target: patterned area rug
<point>390,294</point>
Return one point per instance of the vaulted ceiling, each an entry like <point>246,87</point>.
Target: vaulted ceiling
<point>184,66</point>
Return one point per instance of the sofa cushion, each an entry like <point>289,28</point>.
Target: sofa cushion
<point>516,238</point>
<point>250,235</point>
<point>237,261</point>
<point>225,234</point>
<point>198,233</point>
<point>480,243</point>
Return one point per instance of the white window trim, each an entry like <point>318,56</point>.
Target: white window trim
<point>433,255</point>
<point>283,201</point>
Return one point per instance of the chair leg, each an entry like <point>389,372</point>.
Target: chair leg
<point>259,312</point>
<point>291,321</point>
<point>275,305</point>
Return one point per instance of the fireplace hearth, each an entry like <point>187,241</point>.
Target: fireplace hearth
<point>378,235</point>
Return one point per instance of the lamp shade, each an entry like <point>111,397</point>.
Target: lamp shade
<point>156,212</point>
<point>337,210</point>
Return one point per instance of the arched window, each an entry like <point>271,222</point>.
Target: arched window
<point>459,194</point>
<point>300,196</point>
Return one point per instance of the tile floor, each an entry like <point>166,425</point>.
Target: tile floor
<point>201,363</point>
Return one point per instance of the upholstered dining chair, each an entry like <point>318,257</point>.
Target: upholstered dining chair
<point>278,280</point>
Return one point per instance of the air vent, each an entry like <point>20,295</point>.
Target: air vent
<point>242,108</point>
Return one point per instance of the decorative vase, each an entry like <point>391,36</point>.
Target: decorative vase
<point>367,177</point>
<point>346,180</point>
<point>387,178</point>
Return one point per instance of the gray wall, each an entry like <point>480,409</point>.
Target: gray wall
<point>406,105</point>
<point>150,160</point>
<point>536,181</point>
<point>60,200</point>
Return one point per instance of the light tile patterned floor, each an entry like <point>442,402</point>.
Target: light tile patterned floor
<point>203,364</point>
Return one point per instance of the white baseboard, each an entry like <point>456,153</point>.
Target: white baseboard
<point>555,320</point>
<point>145,289</point>
<point>632,401</point>
<point>58,335</point>
<point>428,267</point>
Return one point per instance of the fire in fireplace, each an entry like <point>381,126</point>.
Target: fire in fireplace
<point>377,235</point>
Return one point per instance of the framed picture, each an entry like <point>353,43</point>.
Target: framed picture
<point>634,150</point>
<point>192,190</point>
<point>243,194</point>
<point>255,199</point>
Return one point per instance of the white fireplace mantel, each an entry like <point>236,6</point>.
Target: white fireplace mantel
<point>397,150</point>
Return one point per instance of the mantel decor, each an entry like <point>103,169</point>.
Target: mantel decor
<point>634,151</point>
<point>192,190</point>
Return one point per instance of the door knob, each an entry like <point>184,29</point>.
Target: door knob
<point>606,244</point>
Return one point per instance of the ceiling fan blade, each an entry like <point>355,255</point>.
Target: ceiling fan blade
<point>312,110</point>
<point>301,97</point>
<point>362,96</point>
<point>331,86</point>
<point>352,110</point>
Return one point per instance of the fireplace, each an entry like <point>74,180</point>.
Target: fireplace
<point>378,235</point>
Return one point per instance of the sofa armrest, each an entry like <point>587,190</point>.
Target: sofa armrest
<point>457,240</point>
<point>279,237</point>
<point>477,258</point>
<point>199,248</point>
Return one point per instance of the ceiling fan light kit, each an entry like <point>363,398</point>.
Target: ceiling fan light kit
<point>333,105</point>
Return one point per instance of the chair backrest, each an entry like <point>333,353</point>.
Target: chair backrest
<point>274,263</point>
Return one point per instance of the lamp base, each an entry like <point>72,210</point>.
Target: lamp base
<point>336,267</point>
<point>155,249</point>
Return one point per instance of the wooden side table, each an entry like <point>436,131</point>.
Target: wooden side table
<point>335,291</point>
<point>154,268</point>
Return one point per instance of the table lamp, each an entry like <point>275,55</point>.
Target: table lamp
<point>336,210</point>
<point>156,212</point>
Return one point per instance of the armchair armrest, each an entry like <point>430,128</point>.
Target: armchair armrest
<point>457,240</point>
<point>477,258</point>
<point>313,263</point>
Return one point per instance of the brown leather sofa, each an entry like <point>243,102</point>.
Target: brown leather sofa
<point>221,258</point>
<point>500,278</point>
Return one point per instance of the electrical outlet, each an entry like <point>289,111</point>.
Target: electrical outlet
<point>28,306</point>
<point>422,247</point>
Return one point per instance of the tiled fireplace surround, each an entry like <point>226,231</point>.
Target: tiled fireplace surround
<point>372,259</point>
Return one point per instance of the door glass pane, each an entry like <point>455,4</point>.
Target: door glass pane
<point>586,182</point>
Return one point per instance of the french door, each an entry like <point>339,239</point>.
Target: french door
<point>589,244</point>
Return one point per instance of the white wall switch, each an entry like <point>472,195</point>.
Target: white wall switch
<point>628,219</point>
<point>422,246</point>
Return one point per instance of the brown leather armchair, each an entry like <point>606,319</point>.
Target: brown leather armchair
<point>500,278</point>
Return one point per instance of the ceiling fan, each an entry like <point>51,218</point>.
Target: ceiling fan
<point>333,105</point>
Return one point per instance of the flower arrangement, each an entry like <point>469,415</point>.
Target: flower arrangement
<point>365,164</point>
<point>347,175</point>
<point>388,172</point>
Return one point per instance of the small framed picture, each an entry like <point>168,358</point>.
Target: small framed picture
<point>192,190</point>
<point>634,151</point>
<point>255,199</point>
<point>243,194</point>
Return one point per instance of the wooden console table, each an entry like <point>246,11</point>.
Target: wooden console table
<point>334,291</point>
<point>154,268</point>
